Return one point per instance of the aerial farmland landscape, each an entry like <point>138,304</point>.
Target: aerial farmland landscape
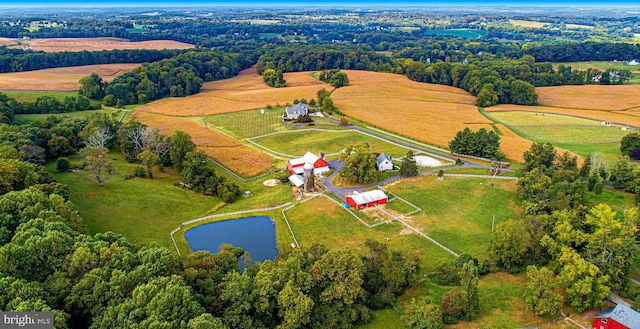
<point>327,165</point>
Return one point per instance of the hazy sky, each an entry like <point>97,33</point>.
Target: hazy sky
<point>136,3</point>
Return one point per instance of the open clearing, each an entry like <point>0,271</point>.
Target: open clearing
<point>531,24</point>
<point>61,79</point>
<point>92,44</point>
<point>296,143</point>
<point>600,65</point>
<point>561,128</point>
<point>630,117</point>
<point>227,151</point>
<point>246,91</point>
<point>458,211</point>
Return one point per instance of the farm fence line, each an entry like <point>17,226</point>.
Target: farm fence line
<point>408,140</point>
<point>244,180</point>
<point>473,176</point>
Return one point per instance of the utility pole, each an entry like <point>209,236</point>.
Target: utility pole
<point>493,222</point>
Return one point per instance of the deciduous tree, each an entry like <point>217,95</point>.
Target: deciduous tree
<point>541,295</point>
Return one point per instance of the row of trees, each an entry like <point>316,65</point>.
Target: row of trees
<point>18,60</point>
<point>179,76</point>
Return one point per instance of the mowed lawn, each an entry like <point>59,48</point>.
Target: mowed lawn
<point>322,221</point>
<point>458,212</point>
<point>538,118</point>
<point>297,143</point>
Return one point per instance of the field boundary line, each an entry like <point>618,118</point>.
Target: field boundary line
<point>473,176</point>
<point>409,140</point>
<point>244,180</point>
<point>189,222</point>
<point>395,196</point>
<point>251,140</point>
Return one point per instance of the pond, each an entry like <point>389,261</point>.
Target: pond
<point>257,235</point>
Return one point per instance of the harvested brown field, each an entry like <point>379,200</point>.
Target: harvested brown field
<point>246,91</point>
<point>230,153</point>
<point>590,97</point>
<point>7,42</point>
<point>427,112</point>
<point>95,44</point>
<point>60,79</point>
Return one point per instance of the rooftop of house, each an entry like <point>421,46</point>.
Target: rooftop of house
<point>623,315</point>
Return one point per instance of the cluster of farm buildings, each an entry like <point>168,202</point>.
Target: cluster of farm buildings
<point>304,169</point>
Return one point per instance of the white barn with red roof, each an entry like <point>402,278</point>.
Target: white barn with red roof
<point>296,166</point>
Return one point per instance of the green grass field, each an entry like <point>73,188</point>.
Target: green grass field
<point>22,118</point>
<point>322,221</point>
<point>462,33</point>
<point>458,211</point>
<point>575,133</point>
<point>600,65</point>
<point>538,118</point>
<point>246,124</point>
<point>565,131</point>
<point>330,142</point>
<point>147,210</point>
<point>30,96</point>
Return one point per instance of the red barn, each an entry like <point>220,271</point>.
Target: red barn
<point>320,166</point>
<point>619,317</point>
<point>366,199</point>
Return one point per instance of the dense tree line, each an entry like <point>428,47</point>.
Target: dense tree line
<point>18,60</point>
<point>587,51</point>
<point>178,76</point>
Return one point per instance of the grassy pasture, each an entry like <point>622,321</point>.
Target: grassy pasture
<point>95,44</point>
<point>600,65</point>
<point>147,210</point>
<point>33,117</point>
<point>535,118</point>
<point>143,210</point>
<point>60,79</point>
<point>299,142</point>
<point>229,152</point>
<point>575,133</point>
<point>323,221</point>
<point>246,91</point>
<point>30,96</point>
<point>458,211</point>
<point>425,112</point>
<point>461,33</point>
<point>629,117</point>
